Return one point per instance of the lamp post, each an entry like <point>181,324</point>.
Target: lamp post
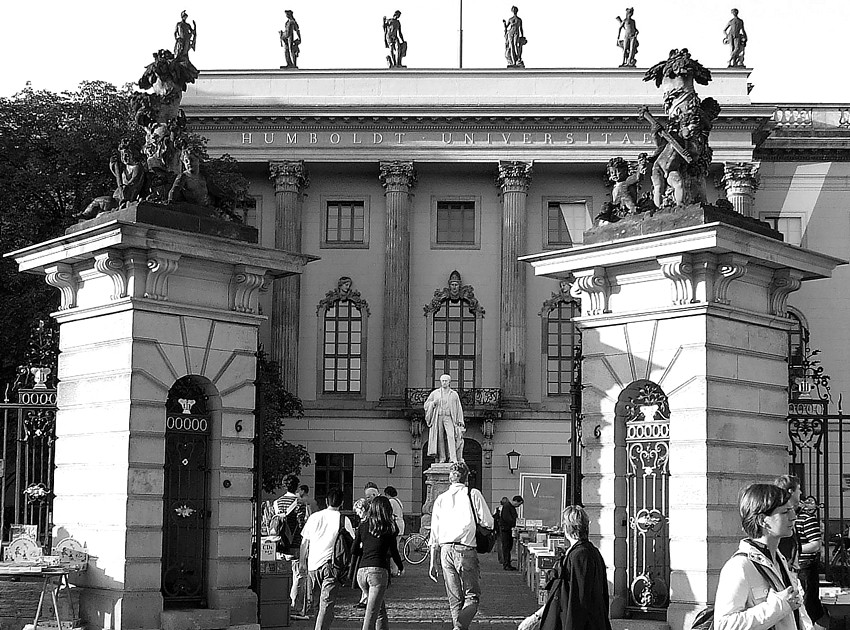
<point>513,460</point>
<point>391,456</point>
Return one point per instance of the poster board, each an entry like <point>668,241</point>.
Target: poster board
<point>544,497</point>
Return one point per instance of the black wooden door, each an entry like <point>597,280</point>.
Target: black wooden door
<point>185,511</point>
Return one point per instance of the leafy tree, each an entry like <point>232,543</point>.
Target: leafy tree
<point>274,403</point>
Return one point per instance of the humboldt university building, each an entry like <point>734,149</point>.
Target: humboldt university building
<point>419,191</point>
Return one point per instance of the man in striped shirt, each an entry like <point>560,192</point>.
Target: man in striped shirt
<point>293,510</point>
<point>803,548</point>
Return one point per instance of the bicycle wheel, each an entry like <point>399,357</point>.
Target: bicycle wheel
<point>415,549</point>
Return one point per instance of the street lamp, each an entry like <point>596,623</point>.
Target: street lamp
<point>391,456</point>
<point>513,461</point>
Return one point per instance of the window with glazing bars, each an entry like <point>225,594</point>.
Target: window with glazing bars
<point>456,222</point>
<point>345,222</point>
<point>343,348</point>
<point>562,338</point>
<point>454,345</point>
<point>335,470</point>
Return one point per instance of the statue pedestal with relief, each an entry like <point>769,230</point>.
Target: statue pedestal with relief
<point>436,482</point>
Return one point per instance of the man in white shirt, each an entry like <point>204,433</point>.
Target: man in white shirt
<point>398,509</point>
<point>453,542</point>
<point>317,549</point>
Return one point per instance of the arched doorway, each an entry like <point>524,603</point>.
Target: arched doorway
<point>185,529</point>
<point>643,410</point>
<point>472,456</point>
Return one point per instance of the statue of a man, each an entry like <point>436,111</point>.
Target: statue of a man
<point>128,169</point>
<point>736,37</point>
<point>514,40</point>
<point>394,40</point>
<point>184,37</point>
<point>290,40</point>
<point>190,186</point>
<point>627,38</point>
<point>444,417</point>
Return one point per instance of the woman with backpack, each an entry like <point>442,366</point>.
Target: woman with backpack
<point>375,541</point>
<point>757,590</point>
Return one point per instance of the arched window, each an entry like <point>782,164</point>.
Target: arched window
<point>342,347</point>
<point>561,342</point>
<point>455,334</point>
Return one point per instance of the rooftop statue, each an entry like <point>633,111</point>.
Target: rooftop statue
<point>290,40</point>
<point>394,41</point>
<point>682,156</point>
<point>736,37</point>
<point>625,195</point>
<point>627,39</point>
<point>514,40</point>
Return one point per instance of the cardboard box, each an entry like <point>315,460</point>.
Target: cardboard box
<point>267,550</point>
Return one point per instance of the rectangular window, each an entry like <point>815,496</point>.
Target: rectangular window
<point>454,344</point>
<point>335,470</point>
<point>456,222</point>
<point>566,222</point>
<point>790,227</point>
<point>343,348</point>
<point>560,343</point>
<point>562,465</point>
<point>345,223</point>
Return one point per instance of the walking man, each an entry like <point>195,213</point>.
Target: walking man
<point>507,522</point>
<point>317,549</point>
<point>453,544</point>
<point>293,510</point>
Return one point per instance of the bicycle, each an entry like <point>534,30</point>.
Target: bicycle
<point>415,549</point>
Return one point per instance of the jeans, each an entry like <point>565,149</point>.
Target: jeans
<point>373,581</point>
<point>810,579</point>
<point>322,582</point>
<point>463,586</point>
<point>297,594</point>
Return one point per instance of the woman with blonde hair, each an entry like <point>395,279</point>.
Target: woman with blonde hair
<point>757,590</point>
<point>577,595</point>
<point>375,541</point>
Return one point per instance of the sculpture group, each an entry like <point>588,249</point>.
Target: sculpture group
<point>164,167</point>
<point>627,39</point>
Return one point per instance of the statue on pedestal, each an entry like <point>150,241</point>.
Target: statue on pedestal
<point>514,40</point>
<point>627,39</point>
<point>736,37</point>
<point>394,40</point>
<point>444,417</point>
<point>290,40</point>
<point>190,186</point>
<point>682,156</point>
<point>625,196</point>
<point>185,37</point>
<point>127,166</point>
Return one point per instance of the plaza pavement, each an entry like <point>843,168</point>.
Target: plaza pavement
<point>414,601</point>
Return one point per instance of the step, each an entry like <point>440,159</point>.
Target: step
<point>639,624</point>
<point>194,619</point>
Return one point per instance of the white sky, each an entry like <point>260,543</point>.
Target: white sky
<point>797,49</point>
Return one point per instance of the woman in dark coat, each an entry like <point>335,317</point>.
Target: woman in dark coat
<point>578,592</point>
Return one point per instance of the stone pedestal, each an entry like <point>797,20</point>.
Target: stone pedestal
<point>685,343</point>
<point>142,305</point>
<point>436,482</point>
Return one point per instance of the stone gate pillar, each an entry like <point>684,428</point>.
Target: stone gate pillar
<point>149,296</point>
<point>398,178</point>
<point>684,337</point>
<point>513,180</point>
<point>290,179</point>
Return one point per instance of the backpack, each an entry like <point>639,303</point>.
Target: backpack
<point>341,558</point>
<point>288,526</point>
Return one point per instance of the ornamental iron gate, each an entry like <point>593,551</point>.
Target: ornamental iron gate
<point>185,499</point>
<point>818,453</point>
<point>646,412</point>
<point>28,432</point>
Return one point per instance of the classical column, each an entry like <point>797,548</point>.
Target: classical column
<point>513,180</point>
<point>741,180</point>
<point>397,178</point>
<point>290,179</point>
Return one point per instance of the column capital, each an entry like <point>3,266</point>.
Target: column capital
<point>289,176</point>
<point>514,176</point>
<point>736,174</point>
<point>397,176</point>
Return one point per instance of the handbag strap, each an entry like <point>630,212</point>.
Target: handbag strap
<point>472,507</point>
